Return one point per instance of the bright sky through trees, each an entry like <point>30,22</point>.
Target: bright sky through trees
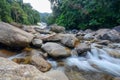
<point>40,5</point>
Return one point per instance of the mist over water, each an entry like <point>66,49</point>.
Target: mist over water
<point>97,60</point>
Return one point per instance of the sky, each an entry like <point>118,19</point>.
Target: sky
<point>40,5</point>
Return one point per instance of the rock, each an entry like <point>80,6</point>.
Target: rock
<point>18,25</point>
<point>73,74</point>
<point>42,31</point>
<point>103,42</point>
<point>57,29</point>
<point>55,50</point>
<point>80,35</point>
<point>74,52</point>
<point>52,38</point>
<point>112,35</point>
<point>57,75</point>
<point>89,36</point>
<point>74,31</point>
<point>13,36</point>
<point>82,47</point>
<point>69,40</point>
<point>12,71</point>
<point>99,33</point>
<point>88,31</point>
<point>40,63</point>
<point>29,29</point>
<point>114,45</point>
<point>113,52</point>
<point>116,78</point>
<point>117,28</point>
<point>37,42</point>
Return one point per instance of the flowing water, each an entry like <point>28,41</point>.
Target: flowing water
<point>97,60</point>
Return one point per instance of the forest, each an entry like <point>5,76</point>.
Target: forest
<point>83,14</point>
<point>72,14</point>
<point>19,12</point>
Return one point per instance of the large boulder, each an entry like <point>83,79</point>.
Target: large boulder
<point>100,33</point>
<point>37,42</point>
<point>117,28</point>
<point>112,35</point>
<point>75,74</point>
<point>107,34</point>
<point>57,75</point>
<point>55,50</point>
<point>29,29</point>
<point>69,40</point>
<point>40,63</point>
<point>13,36</point>
<point>57,29</point>
<point>89,36</point>
<point>82,47</point>
<point>13,71</point>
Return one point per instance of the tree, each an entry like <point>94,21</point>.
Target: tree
<point>17,11</point>
<point>83,14</point>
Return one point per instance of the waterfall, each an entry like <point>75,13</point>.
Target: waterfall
<point>96,60</point>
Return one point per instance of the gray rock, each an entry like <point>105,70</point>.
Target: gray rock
<point>13,36</point>
<point>55,50</point>
<point>112,35</point>
<point>117,28</point>
<point>69,40</point>
<point>82,47</point>
<point>100,33</point>
<point>89,36</point>
<point>88,31</point>
<point>37,42</point>
<point>57,29</point>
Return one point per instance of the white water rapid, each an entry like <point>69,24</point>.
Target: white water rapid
<point>97,60</point>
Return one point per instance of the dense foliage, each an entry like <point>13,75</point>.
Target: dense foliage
<point>82,14</point>
<point>17,11</point>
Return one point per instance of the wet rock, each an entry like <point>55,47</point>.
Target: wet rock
<point>103,42</point>
<point>37,42</point>
<point>117,28</point>
<point>57,75</point>
<point>69,40</point>
<point>89,36</point>
<point>40,63</point>
<point>55,50</point>
<point>74,52</point>
<point>112,35</point>
<point>100,33</point>
<point>13,36</point>
<point>12,71</point>
<point>82,47</point>
<point>113,52</point>
<point>81,75</point>
<point>114,45</point>
<point>116,78</point>
<point>57,29</point>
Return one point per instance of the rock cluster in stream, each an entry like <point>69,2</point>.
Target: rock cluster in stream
<point>40,44</point>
